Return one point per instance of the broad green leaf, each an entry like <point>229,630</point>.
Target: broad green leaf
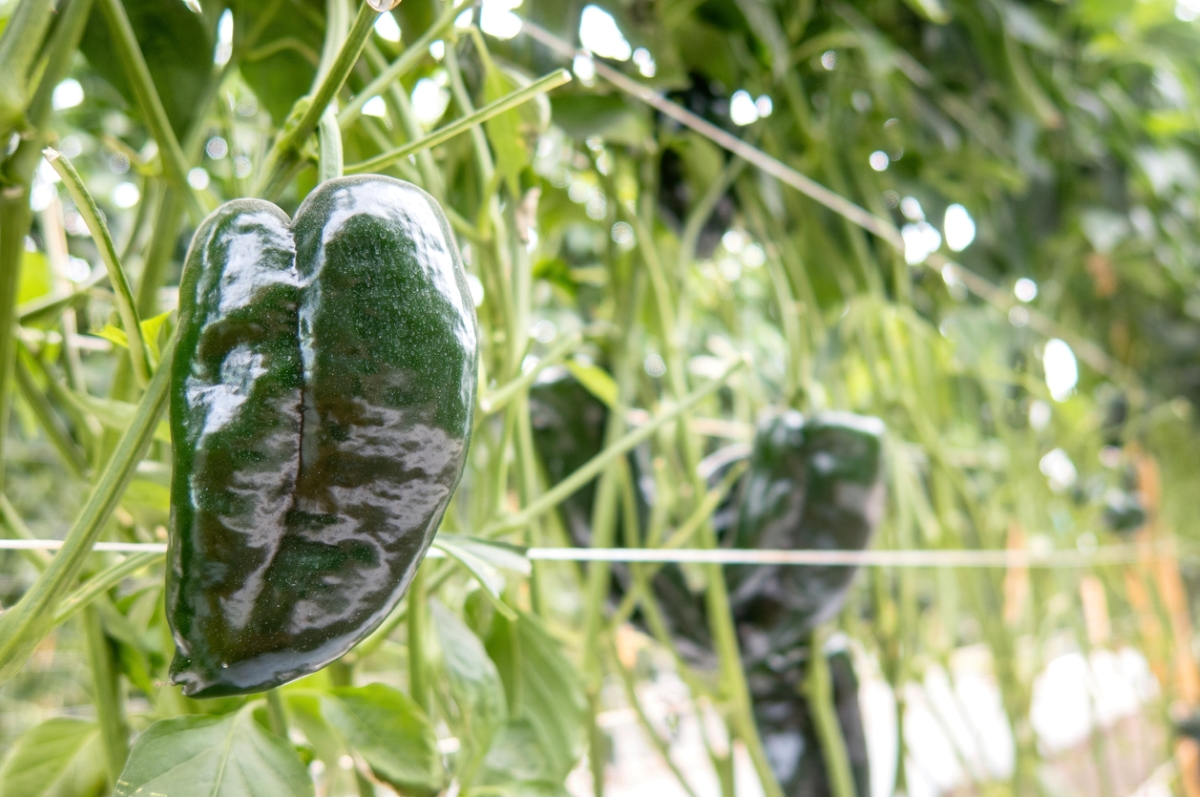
<point>761,17</point>
<point>178,46</point>
<point>542,688</point>
<point>516,755</point>
<point>59,758</point>
<point>116,415</point>
<point>281,64</point>
<point>304,711</point>
<point>484,560</point>
<point>391,732</point>
<point>504,130</point>
<point>476,691</point>
<point>203,756</point>
<point>596,380</point>
<point>609,116</point>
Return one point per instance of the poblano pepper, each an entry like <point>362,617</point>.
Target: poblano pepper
<point>321,409</point>
<point>815,485</point>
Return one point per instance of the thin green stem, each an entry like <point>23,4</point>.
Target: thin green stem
<point>285,152</point>
<point>553,497</point>
<point>106,694</point>
<point>23,626</point>
<point>277,714</point>
<point>497,399</point>
<point>818,691</point>
<point>459,126</point>
<point>70,453</point>
<point>129,53</point>
<point>19,47</point>
<point>102,582</point>
<point>126,307</point>
<point>418,674</point>
<point>412,55</point>
<point>330,136</point>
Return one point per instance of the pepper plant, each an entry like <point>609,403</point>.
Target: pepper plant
<point>971,219</point>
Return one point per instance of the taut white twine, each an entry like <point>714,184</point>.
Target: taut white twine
<point>966,558</point>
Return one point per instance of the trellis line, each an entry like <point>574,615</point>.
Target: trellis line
<point>955,558</point>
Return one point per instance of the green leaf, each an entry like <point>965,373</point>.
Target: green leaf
<point>596,380</point>
<point>36,280</point>
<point>114,334</point>
<point>200,756</point>
<point>151,331</point>
<point>504,130</point>
<point>281,64</point>
<point>516,755</point>
<point>59,758</point>
<point>609,116</point>
<point>177,45</point>
<point>760,15</point>
<point>932,10</point>
<point>543,688</point>
<point>116,415</point>
<point>391,732</point>
<point>484,560</point>
<point>476,691</point>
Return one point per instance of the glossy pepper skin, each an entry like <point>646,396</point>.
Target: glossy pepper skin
<point>815,485</point>
<point>321,408</point>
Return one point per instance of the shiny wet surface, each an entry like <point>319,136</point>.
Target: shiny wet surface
<point>321,413</point>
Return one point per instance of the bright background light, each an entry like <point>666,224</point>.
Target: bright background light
<point>126,195</point>
<point>387,28</point>
<point>1062,371</point>
<point>879,160</point>
<point>959,227</point>
<point>1025,289</point>
<point>920,241</point>
<point>430,98</point>
<point>599,33</point>
<point>742,109</point>
<point>67,94</point>
<point>496,18</point>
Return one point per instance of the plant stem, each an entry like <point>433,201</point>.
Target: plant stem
<point>627,442</point>
<point>412,55</point>
<point>106,694</point>
<point>285,152</point>
<point>459,126</point>
<point>418,675</point>
<point>102,582</point>
<point>24,625</point>
<point>108,253</point>
<point>330,135</point>
<point>818,691</point>
<point>19,47</point>
<point>129,53</point>
<point>15,217</point>
<point>277,713</point>
<point>496,399</point>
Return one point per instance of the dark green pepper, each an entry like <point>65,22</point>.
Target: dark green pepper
<point>1123,512</point>
<point>321,408</point>
<point>815,485</point>
<point>787,728</point>
<point>568,425</point>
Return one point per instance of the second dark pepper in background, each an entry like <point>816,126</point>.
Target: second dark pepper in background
<point>814,483</point>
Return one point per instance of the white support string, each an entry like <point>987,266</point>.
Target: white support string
<point>957,558</point>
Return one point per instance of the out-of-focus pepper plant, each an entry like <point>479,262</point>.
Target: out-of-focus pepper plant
<point>998,260</point>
